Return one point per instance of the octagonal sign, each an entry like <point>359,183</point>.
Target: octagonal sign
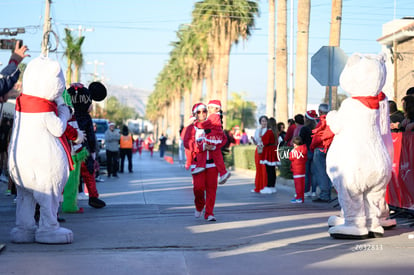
<point>327,65</point>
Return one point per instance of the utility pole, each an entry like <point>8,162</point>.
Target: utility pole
<point>95,73</point>
<point>46,29</point>
<point>271,63</point>
<point>331,93</point>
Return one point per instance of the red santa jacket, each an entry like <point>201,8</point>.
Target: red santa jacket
<point>322,135</point>
<point>298,158</point>
<point>213,123</point>
<point>191,135</point>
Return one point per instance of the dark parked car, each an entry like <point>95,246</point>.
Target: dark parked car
<point>101,127</point>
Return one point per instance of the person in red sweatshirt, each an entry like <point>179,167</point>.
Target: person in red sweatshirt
<point>298,158</point>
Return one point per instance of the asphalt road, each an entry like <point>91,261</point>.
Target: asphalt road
<point>148,227</point>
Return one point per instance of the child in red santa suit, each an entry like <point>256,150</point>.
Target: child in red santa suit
<point>298,158</point>
<point>214,135</point>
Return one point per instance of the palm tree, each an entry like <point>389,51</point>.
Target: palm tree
<point>301,75</point>
<point>241,112</point>
<point>270,98</point>
<point>228,21</point>
<point>194,54</point>
<point>69,53</point>
<point>73,53</point>
<point>281,63</point>
<point>78,57</point>
<point>334,40</point>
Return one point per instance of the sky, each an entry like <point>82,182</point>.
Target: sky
<point>128,41</point>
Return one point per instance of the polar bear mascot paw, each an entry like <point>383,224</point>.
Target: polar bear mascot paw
<point>359,159</point>
<point>39,156</point>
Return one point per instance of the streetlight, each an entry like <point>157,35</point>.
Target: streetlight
<point>95,72</point>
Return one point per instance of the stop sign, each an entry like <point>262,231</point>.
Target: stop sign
<point>327,65</point>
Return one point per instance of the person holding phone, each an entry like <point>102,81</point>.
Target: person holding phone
<point>10,74</point>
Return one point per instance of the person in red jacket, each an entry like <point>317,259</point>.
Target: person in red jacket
<point>214,134</point>
<point>269,156</point>
<point>321,141</point>
<point>205,182</point>
<point>298,157</point>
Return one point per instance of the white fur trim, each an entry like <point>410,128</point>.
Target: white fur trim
<point>213,141</point>
<point>214,105</point>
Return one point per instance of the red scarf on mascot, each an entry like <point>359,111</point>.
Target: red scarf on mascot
<point>371,102</point>
<point>34,104</point>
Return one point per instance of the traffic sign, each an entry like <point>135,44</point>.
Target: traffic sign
<point>327,65</point>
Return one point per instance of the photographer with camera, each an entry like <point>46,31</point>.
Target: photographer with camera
<point>10,74</point>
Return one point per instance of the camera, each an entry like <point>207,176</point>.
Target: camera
<point>9,44</point>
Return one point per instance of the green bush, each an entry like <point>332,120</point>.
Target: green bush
<point>228,158</point>
<point>244,157</point>
<point>285,171</point>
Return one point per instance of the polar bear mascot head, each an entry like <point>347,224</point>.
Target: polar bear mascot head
<point>359,159</point>
<point>39,156</point>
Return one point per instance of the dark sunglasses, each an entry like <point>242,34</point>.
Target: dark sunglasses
<point>203,111</point>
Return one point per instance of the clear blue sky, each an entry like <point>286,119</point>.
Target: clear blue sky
<point>132,37</point>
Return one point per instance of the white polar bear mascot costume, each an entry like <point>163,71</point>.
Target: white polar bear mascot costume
<point>38,158</point>
<point>359,160</point>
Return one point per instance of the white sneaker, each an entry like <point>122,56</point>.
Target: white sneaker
<point>211,218</point>
<point>197,170</point>
<point>313,194</point>
<point>273,189</point>
<point>82,197</point>
<point>224,178</point>
<point>308,194</point>
<point>266,190</point>
<point>296,201</point>
<point>197,214</point>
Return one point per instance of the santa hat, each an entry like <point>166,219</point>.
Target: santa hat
<point>197,107</point>
<point>311,114</point>
<point>214,103</point>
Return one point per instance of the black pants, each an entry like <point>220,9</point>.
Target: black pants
<point>112,162</point>
<point>128,154</point>
<point>271,175</point>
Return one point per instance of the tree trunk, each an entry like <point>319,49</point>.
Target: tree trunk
<point>76,74</point>
<point>69,73</point>
<point>177,116</point>
<point>165,121</point>
<point>270,94</point>
<point>301,79</point>
<point>281,63</point>
<point>187,106</point>
<point>334,40</point>
<point>196,89</point>
<point>209,82</point>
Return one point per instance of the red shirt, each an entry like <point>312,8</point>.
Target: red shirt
<point>298,157</point>
<point>289,134</point>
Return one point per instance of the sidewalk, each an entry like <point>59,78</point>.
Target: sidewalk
<point>148,227</point>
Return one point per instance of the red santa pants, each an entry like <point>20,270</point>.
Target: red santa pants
<point>260,180</point>
<point>205,188</point>
<point>89,180</point>
<point>299,186</point>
